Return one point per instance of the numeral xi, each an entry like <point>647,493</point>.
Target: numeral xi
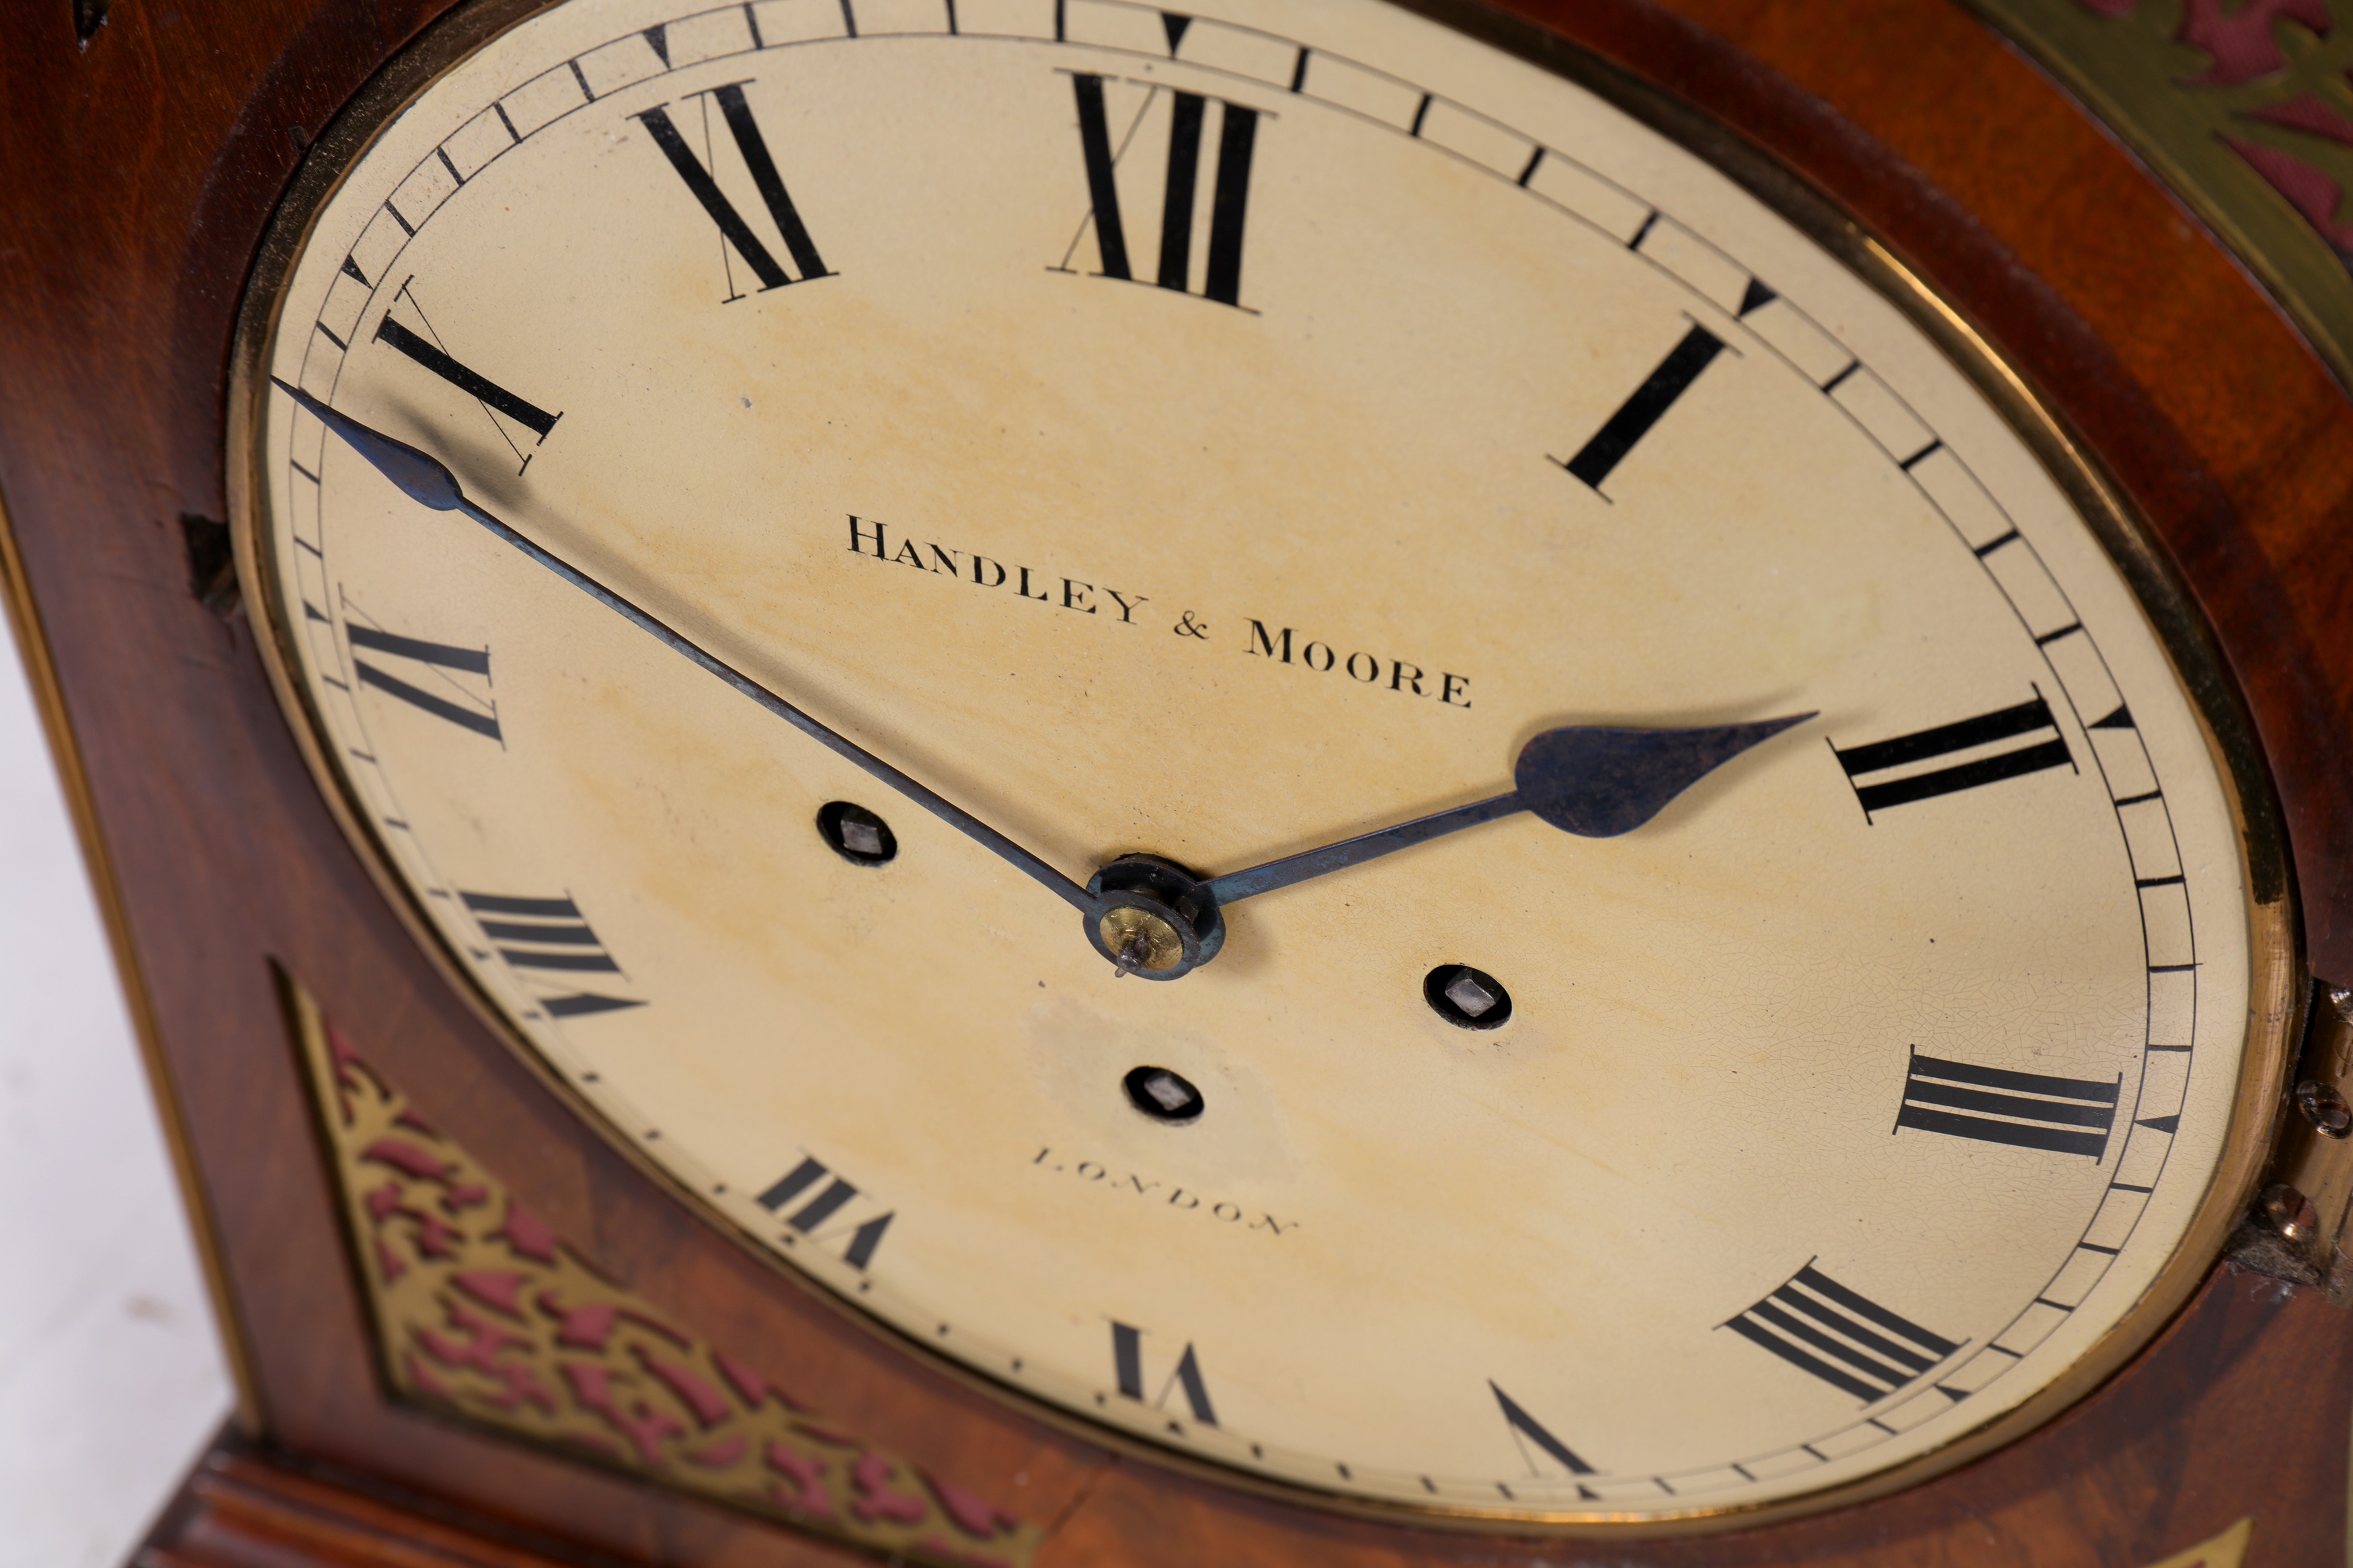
<point>472,383</point>
<point>754,148</point>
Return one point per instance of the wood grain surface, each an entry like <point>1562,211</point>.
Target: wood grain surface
<point>135,180</point>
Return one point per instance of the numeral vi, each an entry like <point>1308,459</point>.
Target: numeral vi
<point>1127,1368</point>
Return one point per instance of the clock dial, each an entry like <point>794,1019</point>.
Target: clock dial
<point>1268,724</point>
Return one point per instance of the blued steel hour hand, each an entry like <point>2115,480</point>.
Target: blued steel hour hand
<point>1594,781</point>
<point>428,481</point>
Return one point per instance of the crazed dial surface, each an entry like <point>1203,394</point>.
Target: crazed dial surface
<point>1213,436</point>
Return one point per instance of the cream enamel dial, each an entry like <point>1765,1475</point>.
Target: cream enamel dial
<point>1215,438</point>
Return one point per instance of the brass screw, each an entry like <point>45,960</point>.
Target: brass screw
<point>2324,1108</point>
<point>2291,1213</point>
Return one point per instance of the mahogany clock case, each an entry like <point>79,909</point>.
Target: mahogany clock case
<point>142,172</point>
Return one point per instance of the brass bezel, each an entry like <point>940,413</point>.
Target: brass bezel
<point>2277,980</point>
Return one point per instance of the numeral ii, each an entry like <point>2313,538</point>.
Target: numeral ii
<point>1229,201</point>
<point>547,936</point>
<point>1841,1336</point>
<point>1884,763</point>
<point>702,182</point>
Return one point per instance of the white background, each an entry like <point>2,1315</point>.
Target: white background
<point>112,1376</point>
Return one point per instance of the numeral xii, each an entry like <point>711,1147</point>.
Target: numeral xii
<point>1228,200</point>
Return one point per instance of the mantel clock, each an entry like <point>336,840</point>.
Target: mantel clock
<point>1050,780</point>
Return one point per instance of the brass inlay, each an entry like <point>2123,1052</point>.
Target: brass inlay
<point>2315,1163</point>
<point>2247,111</point>
<point>2228,1550</point>
<point>482,1312</point>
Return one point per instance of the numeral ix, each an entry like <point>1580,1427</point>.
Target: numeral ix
<point>460,707</point>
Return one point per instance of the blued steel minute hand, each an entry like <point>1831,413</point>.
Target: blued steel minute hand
<point>1590,780</point>
<point>428,482</point>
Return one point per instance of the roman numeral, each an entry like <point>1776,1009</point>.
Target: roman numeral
<point>753,149</point>
<point>547,936</point>
<point>472,383</point>
<point>2027,1110</point>
<point>1841,1336</point>
<point>1127,1368</point>
<point>1526,1430</point>
<point>479,714</point>
<point>1228,198</point>
<point>1648,405</point>
<point>1884,757</point>
<point>823,1204</point>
